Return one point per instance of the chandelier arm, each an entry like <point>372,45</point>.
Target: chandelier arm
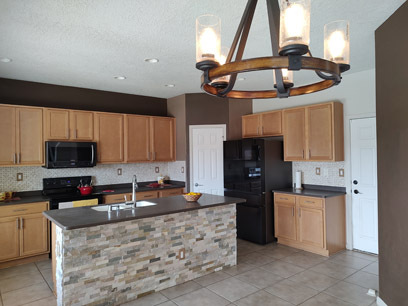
<point>241,46</point>
<point>336,78</point>
<point>274,25</point>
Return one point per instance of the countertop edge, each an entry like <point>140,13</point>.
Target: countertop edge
<point>312,193</point>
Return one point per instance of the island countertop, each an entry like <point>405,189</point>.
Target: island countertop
<point>81,217</point>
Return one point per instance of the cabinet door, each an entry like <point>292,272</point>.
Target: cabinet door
<point>9,238</point>
<point>294,134</point>
<point>30,145</point>
<point>7,135</point>
<point>163,139</point>
<point>56,124</point>
<point>33,234</point>
<point>311,226</point>
<point>320,132</point>
<point>170,192</point>
<point>109,135</point>
<point>251,126</point>
<point>144,195</point>
<point>137,139</point>
<point>285,221</point>
<point>272,123</point>
<point>82,125</point>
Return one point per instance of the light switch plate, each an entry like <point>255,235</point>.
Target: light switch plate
<point>119,171</point>
<point>20,177</point>
<point>317,171</point>
<point>157,169</point>
<point>341,172</point>
<point>182,169</point>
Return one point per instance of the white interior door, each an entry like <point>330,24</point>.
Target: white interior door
<point>207,159</point>
<point>364,184</point>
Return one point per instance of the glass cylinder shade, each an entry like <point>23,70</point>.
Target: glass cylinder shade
<point>294,23</point>
<point>287,76</point>
<point>337,42</point>
<point>222,81</point>
<point>208,38</point>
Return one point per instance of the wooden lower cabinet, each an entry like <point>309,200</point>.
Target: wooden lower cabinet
<point>317,225</point>
<point>171,192</point>
<point>25,231</point>
<point>141,195</point>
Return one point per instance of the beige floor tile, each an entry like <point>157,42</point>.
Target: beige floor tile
<point>181,289</point>
<point>283,269</point>
<point>232,289</point>
<point>367,256</point>
<point>292,292</point>
<point>26,295</point>
<point>350,261</point>
<point>20,281</point>
<point>323,299</point>
<point>256,259</point>
<point>314,280</point>
<point>211,278</point>
<point>47,274</point>
<point>151,299</point>
<point>372,268</point>
<point>50,301</point>
<point>44,264</point>
<point>18,270</point>
<point>259,278</point>
<point>201,297</point>
<point>364,279</point>
<point>261,298</point>
<point>168,303</point>
<point>350,293</point>
<point>238,269</point>
<point>304,259</point>
<point>333,270</point>
<point>277,252</point>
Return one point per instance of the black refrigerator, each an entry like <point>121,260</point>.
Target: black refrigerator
<point>252,169</point>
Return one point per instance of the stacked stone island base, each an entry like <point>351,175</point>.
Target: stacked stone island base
<point>115,263</point>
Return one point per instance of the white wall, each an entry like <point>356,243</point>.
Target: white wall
<point>357,93</point>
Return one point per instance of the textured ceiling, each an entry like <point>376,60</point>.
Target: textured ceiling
<point>86,43</point>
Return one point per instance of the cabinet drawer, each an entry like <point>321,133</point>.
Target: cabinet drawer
<point>311,202</point>
<point>285,198</point>
<point>23,209</point>
<point>146,195</point>
<point>116,198</point>
<point>170,192</point>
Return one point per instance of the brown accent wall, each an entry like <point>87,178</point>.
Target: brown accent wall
<point>176,107</point>
<point>47,95</point>
<point>392,142</point>
<point>236,109</point>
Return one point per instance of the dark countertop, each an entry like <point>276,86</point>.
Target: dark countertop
<point>314,192</point>
<point>36,196</point>
<point>80,217</point>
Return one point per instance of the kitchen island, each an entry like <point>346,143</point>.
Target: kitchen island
<point>109,258</point>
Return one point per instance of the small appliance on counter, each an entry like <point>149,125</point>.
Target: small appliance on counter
<point>64,154</point>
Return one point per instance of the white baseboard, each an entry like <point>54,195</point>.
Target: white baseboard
<point>380,302</point>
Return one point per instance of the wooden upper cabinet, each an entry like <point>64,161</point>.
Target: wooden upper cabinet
<point>137,139</point>
<point>320,132</point>
<point>163,145</point>
<point>109,133</point>
<point>294,130</point>
<point>81,125</point>
<point>271,123</point>
<point>8,135</point>
<point>251,125</point>
<point>30,144</point>
<point>56,124</point>
<point>61,124</point>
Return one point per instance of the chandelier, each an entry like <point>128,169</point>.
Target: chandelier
<point>289,26</point>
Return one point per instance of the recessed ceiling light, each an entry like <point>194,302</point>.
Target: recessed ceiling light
<point>170,85</point>
<point>151,60</point>
<point>241,79</point>
<point>120,77</point>
<point>5,60</point>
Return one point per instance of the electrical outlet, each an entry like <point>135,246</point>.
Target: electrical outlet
<point>157,169</point>
<point>341,172</point>
<point>119,171</point>
<point>182,254</point>
<point>317,171</point>
<point>182,169</point>
<point>20,177</point>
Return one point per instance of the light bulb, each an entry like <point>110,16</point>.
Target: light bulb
<point>336,44</point>
<point>294,21</point>
<point>208,43</point>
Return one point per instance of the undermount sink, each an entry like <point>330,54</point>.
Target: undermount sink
<point>122,206</point>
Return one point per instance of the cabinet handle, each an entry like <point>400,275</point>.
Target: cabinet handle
<point>18,158</point>
<point>293,211</point>
<point>284,199</point>
<point>75,133</point>
<point>22,223</point>
<point>257,130</point>
<point>300,214</point>
<point>310,153</point>
<point>21,209</point>
<point>18,223</point>
<point>154,155</point>
<point>14,158</point>
<point>68,134</point>
<point>303,154</point>
<point>312,202</point>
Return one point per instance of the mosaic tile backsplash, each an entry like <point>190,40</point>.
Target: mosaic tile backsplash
<point>102,174</point>
<point>329,173</point>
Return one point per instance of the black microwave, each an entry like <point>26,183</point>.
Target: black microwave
<point>64,154</point>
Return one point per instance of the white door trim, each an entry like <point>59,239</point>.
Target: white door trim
<point>191,128</point>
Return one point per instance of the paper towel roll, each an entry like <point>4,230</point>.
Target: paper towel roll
<point>298,183</point>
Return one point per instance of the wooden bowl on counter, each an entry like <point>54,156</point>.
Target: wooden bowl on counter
<point>192,197</point>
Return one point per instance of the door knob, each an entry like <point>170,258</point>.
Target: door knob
<point>355,182</point>
<point>197,184</point>
<point>357,192</point>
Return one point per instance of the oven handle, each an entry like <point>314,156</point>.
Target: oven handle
<point>93,154</point>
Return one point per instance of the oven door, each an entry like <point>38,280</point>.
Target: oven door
<point>62,154</point>
<point>62,203</point>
